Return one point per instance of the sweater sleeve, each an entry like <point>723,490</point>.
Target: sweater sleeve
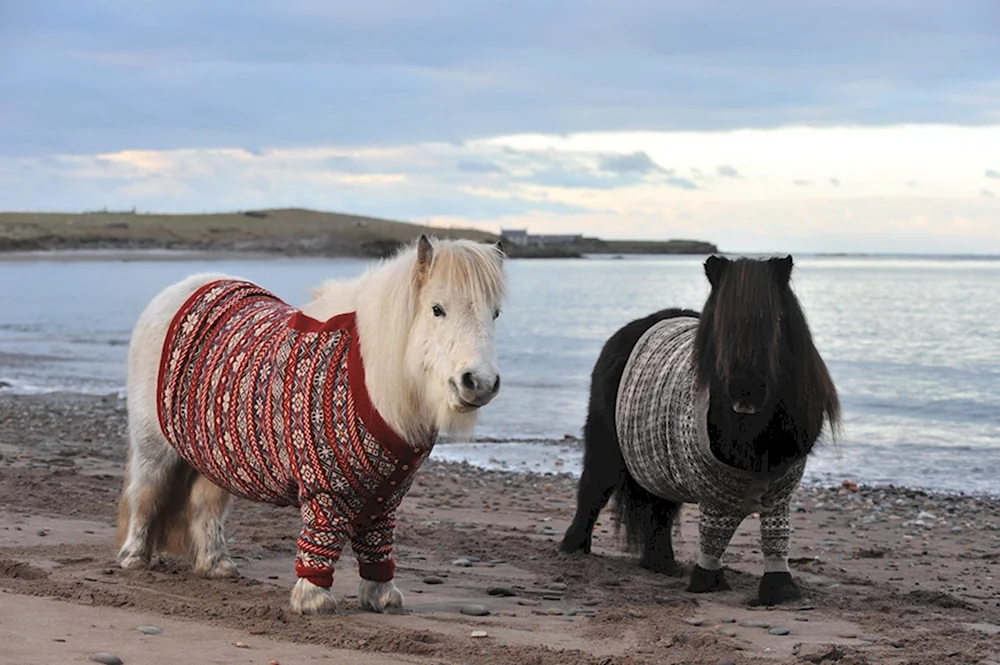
<point>372,543</point>
<point>321,540</point>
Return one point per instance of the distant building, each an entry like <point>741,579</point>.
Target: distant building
<point>522,238</point>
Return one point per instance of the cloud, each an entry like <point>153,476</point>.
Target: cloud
<point>96,77</point>
<point>802,183</point>
<point>987,194</point>
<point>727,171</point>
<point>636,162</point>
<point>682,183</point>
<point>990,173</point>
<point>835,182</point>
<point>483,166</point>
<point>557,183</point>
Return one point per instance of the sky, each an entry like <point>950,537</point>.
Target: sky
<point>776,125</point>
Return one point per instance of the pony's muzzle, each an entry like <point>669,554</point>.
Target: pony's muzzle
<point>748,396</point>
<point>476,390</point>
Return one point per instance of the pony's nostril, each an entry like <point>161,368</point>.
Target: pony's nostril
<point>496,385</point>
<point>468,381</point>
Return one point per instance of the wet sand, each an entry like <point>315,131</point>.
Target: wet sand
<point>890,575</point>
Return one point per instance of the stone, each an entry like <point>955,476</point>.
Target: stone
<point>432,579</point>
<point>695,621</point>
<point>105,658</point>
<point>557,586</point>
<point>502,591</point>
<point>150,630</point>
<point>818,653</point>
<point>462,563</point>
<point>527,602</point>
<point>475,611</point>
<point>780,631</point>
<point>479,634</point>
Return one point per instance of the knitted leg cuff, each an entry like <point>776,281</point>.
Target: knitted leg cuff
<point>318,576</point>
<point>383,571</point>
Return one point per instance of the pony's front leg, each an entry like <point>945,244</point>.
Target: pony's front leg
<point>716,526</point>
<point>777,585</point>
<point>320,544</point>
<point>372,544</point>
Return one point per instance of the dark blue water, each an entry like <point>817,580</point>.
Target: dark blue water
<point>913,345</point>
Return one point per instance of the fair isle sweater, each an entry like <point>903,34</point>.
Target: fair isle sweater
<point>662,424</point>
<point>271,405</point>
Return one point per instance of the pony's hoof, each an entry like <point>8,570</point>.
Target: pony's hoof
<point>307,598</point>
<point>380,597</point>
<point>573,543</point>
<point>660,566</point>
<point>221,570</point>
<point>134,562</point>
<point>708,581</point>
<point>777,588</point>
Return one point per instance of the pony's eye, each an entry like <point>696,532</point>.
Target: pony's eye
<point>496,313</point>
<point>438,310</point>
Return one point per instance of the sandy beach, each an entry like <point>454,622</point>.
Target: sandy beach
<point>891,576</point>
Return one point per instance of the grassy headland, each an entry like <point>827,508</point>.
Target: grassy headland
<point>286,231</point>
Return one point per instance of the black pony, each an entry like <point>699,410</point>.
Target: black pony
<point>753,397</point>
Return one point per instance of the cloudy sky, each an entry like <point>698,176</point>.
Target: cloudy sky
<point>774,125</point>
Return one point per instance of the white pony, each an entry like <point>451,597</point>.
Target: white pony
<point>330,408</point>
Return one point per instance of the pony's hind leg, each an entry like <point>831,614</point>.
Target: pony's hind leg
<point>603,469</point>
<point>209,504</point>
<point>154,482</point>
<point>648,522</point>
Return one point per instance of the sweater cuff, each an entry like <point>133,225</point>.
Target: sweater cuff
<point>383,571</point>
<point>318,576</point>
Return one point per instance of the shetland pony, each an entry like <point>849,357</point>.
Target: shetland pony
<point>409,348</point>
<point>755,390</point>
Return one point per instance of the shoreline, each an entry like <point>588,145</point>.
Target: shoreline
<point>113,404</point>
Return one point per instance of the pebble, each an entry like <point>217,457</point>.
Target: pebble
<point>479,634</point>
<point>43,532</point>
<point>727,620</point>
<point>847,636</point>
<point>590,603</point>
<point>150,630</point>
<point>557,586</point>
<point>431,579</point>
<point>105,658</point>
<point>527,602</point>
<point>462,563</point>
<point>475,611</point>
<point>502,591</point>
<point>552,597</point>
<point>729,632</point>
<point>273,662</point>
<point>696,621</point>
<point>780,631</point>
<point>727,661</point>
<point>241,645</point>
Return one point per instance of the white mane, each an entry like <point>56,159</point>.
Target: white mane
<point>385,299</point>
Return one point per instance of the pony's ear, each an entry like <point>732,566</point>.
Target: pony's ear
<point>782,269</point>
<point>499,245</point>
<point>715,268</point>
<point>425,254</point>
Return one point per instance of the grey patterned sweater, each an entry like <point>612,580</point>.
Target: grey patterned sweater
<point>662,425</point>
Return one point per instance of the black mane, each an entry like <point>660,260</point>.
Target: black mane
<point>753,324</point>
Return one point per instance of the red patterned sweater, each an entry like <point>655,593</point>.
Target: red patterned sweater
<point>272,406</point>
